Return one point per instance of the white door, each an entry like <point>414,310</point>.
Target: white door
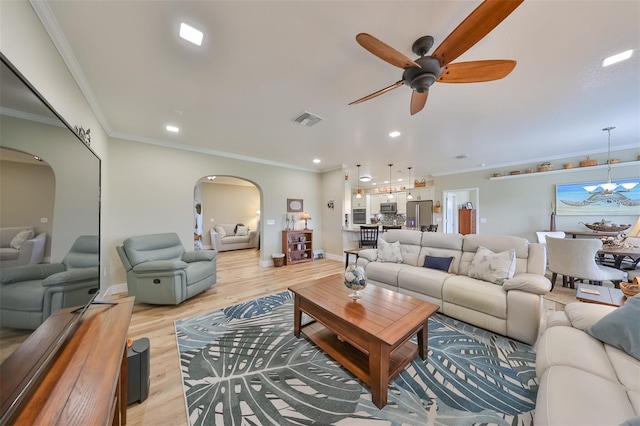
<point>451,213</point>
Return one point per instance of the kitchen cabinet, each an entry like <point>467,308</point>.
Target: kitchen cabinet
<point>375,203</point>
<point>421,194</point>
<point>358,203</point>
<point>467,221</point>
<point>401,199</point>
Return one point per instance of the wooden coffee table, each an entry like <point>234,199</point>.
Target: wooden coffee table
<point>369,337</point>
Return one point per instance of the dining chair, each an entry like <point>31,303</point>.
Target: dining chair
<point>574,259</point>
<point>542,235</point>
<point>368,236</point>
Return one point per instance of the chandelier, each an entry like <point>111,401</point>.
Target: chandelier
<point>609,188</point>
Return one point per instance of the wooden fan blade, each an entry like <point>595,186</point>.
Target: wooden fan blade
<point>476,71</point>
<point>379,92</point>
<point>418,100</point>
<point>478,24</point>
<point>384,51</point>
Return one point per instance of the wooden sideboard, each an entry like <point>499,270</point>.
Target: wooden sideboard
<point>85,382</point>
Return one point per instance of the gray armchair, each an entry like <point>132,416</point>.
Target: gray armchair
<point>161,272</point>
<point>29,294</point>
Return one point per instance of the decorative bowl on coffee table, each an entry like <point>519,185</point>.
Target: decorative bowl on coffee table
<point>355,279</point>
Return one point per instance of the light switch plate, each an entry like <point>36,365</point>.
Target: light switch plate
<point>271,222</point>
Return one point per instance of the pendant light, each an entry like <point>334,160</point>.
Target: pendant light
<point>409,196</point>
<point>358,190</point>
<point>608,187</point>
<point>390,196</point>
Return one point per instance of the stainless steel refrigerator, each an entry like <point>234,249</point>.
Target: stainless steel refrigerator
<point>419,214</point>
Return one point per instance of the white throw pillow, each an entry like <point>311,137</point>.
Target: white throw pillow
<point>19,239</point>
<point>493,267</point>
<point>389,252</point>
<point>242,231</point>
<point>220,230</point>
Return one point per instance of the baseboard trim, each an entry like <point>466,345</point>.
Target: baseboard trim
<point>113,289</point>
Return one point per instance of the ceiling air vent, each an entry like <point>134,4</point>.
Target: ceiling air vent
<point>307,119</point>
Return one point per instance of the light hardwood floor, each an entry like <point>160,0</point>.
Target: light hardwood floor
<point>239,279</point>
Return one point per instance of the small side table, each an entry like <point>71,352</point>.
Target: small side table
<point>348,253</point>
<point>606,295</point>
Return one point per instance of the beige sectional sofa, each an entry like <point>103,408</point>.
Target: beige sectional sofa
<point>512,308</point>
<point>582,379</point>
<point>226,237</point>
<point>27,250</point>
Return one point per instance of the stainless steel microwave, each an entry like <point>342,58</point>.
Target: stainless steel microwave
<point>388,207</point>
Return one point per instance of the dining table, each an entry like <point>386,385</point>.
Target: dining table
<point>619,253</point>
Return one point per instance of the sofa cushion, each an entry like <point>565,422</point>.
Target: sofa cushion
<point>574,348</point>
<point>235,228</point>
<point>389,252</point>
<point>497,243</point>
<point>571,396</point>
<point>620,328</point>
<point>423,281</point>
<point>441,263</point>
<point>480,296</point>
<point>627,369</point>
<point>242,231</point>
<point>584,315</point>
<point>220,230</point>
<point>409,244</point>
<point>384,272</point>
<point>20,238</point>
<point>8,253</point>
<point>234,240</point>
<point>493,267</point>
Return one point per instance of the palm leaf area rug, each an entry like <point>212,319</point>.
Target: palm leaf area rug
<point>242,365</point>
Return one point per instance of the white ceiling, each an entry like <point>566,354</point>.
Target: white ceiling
<point>263,63</point>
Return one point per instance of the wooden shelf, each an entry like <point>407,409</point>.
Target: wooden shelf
<point>297,246</point>
<point>574,169</point>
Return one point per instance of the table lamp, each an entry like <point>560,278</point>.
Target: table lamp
<point>306,217</point>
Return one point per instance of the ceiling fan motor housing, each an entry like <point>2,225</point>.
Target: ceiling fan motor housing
<point>420,79</point>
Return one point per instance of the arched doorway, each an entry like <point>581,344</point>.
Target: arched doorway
<point>225,200</point>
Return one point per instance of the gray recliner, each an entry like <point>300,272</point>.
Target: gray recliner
<point>161,272</point>
<point>29,294</point>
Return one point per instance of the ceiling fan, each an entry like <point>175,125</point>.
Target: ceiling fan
<point>426,70</point>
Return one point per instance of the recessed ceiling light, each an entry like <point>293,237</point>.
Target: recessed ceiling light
<point>399,179</point>
<point>617,58</point>
<point>37,158</point>
<point>190,34</point>
<point>173,129</point>
<point>386,181</point>
<point>316,160</point>
<point>374,183</point>
<point>394,134</point>
<point>211,177</point>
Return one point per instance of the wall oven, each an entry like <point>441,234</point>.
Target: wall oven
<point>360,216</point>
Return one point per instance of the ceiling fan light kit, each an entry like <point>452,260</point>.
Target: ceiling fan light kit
<point>422,73</point>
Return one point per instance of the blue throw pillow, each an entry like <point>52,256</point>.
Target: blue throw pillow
<point>620,328</point>
<point>441,263</point>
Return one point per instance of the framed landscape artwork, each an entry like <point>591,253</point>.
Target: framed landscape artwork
<point>589,198</point>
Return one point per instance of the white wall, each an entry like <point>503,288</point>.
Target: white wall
<point>152,191</point>
<point>522,205</point>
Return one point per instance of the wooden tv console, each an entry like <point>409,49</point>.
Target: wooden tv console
<point>84,383</point>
